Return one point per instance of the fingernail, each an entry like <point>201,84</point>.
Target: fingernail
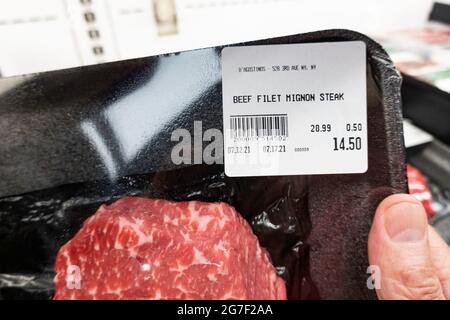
<point>406,222</point>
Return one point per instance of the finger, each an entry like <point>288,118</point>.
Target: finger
<point>398,245</point>
<point>440,256</point>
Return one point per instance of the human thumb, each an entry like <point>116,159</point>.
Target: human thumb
<point>399,249</point>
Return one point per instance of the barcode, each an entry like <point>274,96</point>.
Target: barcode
<point>250,126</point>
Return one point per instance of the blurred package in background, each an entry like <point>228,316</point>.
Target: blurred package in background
<point>422,55</point>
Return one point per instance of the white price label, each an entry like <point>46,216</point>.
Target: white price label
<point>295,109</point>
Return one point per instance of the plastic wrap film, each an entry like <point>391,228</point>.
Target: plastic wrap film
<point>74,139</point>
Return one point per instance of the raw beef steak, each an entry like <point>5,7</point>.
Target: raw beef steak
<point>138,248</point>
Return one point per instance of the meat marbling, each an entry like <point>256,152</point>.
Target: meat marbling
<point>139,248</point>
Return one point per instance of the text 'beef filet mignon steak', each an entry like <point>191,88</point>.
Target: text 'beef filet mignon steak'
<point>138,248</point>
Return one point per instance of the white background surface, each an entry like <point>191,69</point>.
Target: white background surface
<point>40,35</point>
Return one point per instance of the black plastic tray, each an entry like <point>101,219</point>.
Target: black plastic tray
<point>75,138</point>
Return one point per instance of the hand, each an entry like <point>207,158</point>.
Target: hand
<point>413,260</point>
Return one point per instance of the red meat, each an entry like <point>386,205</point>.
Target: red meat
<point>418,187</point>
<point>139,248</point>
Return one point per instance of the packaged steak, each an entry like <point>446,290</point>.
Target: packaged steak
<point>246,171</point>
